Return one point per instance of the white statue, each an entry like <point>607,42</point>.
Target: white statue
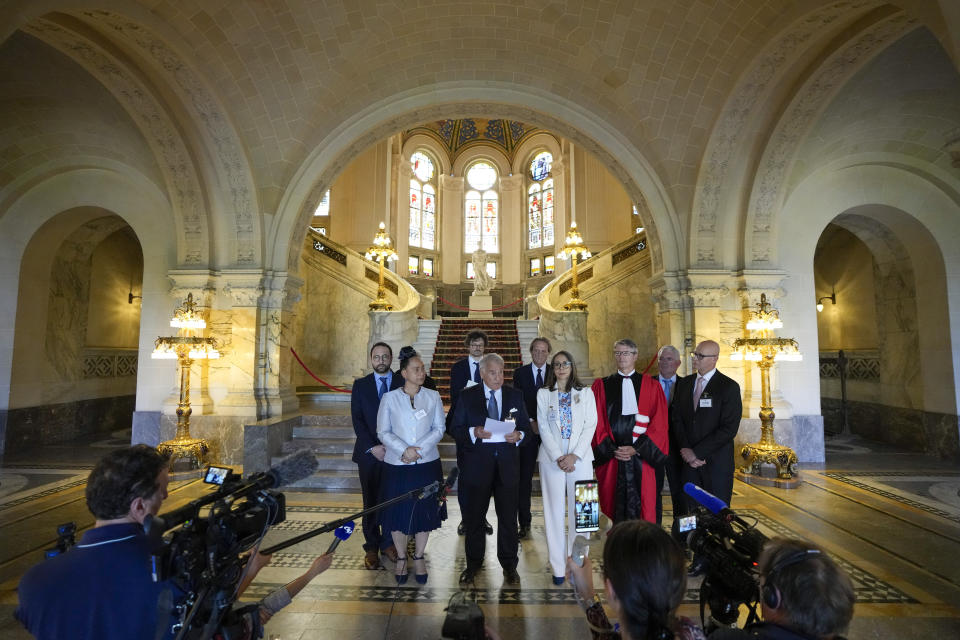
<point>481,279</point>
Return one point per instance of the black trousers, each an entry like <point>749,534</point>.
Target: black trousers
<point>478,500</point>
<point>370,470</point>
<point>528,464</point>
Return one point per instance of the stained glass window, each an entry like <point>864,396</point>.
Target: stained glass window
<point>428,267</point>
<point>540,167</point>
<point>549,264</point>
<point>413,265</point>
<point>422,166</point>
<point>540,203</point>
<point>323,208</point>
<point>535,267</point>
<point>482,210</point>
<point>423,202</point>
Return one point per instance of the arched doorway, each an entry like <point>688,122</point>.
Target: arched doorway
<point>74,364</point>
<point>884,340</point>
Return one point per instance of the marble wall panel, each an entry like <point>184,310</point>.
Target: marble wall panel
<point>625,310</point>
<point>29,427</point>
<point>334,328</point>
<point>802,433</point>
<point>146,428</point>
<point>912,430</point>
<point>262,440</point>
<point>224,434</point>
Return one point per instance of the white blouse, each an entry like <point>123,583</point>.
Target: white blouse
<point>400,425</point>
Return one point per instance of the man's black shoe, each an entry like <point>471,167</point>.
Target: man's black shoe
<point>487,527</point>
<point>511,577</point>
<point>467,575</point>
<point>460,528</point>
<point>523,532</point>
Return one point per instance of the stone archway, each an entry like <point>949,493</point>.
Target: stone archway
<point>905,219</point>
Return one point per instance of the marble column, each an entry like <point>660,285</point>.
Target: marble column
<point>512,218</point>
<point>451,229</point>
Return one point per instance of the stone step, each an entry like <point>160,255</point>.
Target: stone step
<point>339,446</point>
<point>323,431</point>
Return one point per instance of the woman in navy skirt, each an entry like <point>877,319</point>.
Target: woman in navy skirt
<point>410,424</point>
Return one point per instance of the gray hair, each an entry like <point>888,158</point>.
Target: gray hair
<point>490,357</point>
<point>668,347</point>
<point>627,342</point>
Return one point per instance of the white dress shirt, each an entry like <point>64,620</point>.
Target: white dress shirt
<point>628,398</point>
<point>400,425</point>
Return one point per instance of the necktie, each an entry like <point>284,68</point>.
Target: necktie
<point>493,411</point>
<point>383,387</point>
<point>697,392</point>
<point>476,372</point>
<point>666,389</point>
<point>539,382</point>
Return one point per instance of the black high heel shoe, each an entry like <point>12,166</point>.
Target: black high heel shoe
<point>401,567</point>
<point>421,578</point>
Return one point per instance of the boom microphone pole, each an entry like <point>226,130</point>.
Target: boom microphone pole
<point>420,493</point>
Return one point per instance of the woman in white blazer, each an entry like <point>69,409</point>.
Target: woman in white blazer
<point>567,416</point>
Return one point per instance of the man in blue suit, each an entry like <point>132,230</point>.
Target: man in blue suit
<point>490,468</point>
<point>528,379</point>
<point>466,372</point>
<point>368,452</point>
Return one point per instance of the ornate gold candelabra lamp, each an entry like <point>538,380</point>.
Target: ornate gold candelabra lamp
<point>185,347</point>
<point>574,249</point>
<point>381,251</point>
<point>764,348</point>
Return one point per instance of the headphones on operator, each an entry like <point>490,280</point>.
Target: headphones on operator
<point>769,592</point>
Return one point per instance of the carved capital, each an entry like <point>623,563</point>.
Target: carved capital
<point>511,183</point>
<point>200,283</point>
<point>451,183</point>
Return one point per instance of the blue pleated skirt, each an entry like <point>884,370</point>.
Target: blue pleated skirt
<point>426,514</point>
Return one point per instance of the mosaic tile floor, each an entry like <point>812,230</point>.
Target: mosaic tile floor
<point>891,520</point>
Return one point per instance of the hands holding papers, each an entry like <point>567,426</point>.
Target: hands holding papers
<point>498,431</point>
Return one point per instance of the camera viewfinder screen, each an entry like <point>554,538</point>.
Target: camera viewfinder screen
<point>587,505</point>
<point>216,475</point>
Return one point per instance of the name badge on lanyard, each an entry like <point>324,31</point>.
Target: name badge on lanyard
<point>706,403</point>
<point>420,414</point>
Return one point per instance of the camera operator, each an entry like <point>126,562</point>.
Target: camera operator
<point>103,588</point>
<point>645,578</point>
<point>804,595</point>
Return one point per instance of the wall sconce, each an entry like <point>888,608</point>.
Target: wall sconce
<point>832,298</point>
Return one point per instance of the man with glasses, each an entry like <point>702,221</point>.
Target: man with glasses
<point>368,452</point>
<point>631,439</point>
<point>704,421</point>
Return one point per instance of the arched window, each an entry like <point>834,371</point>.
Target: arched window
<point>482,209</point>
<point>540,202</point>
<point>423,202</point>
<point>321,215</point>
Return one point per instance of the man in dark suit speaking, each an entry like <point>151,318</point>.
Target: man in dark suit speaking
<point>705,418</point>
<point>490,468</point>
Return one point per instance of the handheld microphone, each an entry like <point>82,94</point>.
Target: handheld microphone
<point>340,534</point>
<point>710,502</point>
<point>448,484</point>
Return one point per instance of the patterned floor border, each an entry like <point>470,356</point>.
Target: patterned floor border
<point>845,477</point>
<point>869,588</point>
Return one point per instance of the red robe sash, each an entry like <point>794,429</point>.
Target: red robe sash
<point>650,403</point>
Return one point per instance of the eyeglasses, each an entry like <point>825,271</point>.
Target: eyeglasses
<point>565,364</point>
<point>621,354</point>
<point>383,358</point>
<point>478,343</point>
<point>701,356</point>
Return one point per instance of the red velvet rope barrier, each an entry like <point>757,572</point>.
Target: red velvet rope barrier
<point>649,364</point>
<point>307,369</point>
<point>510,304</point>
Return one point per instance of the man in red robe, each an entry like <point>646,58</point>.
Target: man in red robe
<point>631,440</point>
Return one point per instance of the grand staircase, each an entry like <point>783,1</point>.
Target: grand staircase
<point>502,334</point>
